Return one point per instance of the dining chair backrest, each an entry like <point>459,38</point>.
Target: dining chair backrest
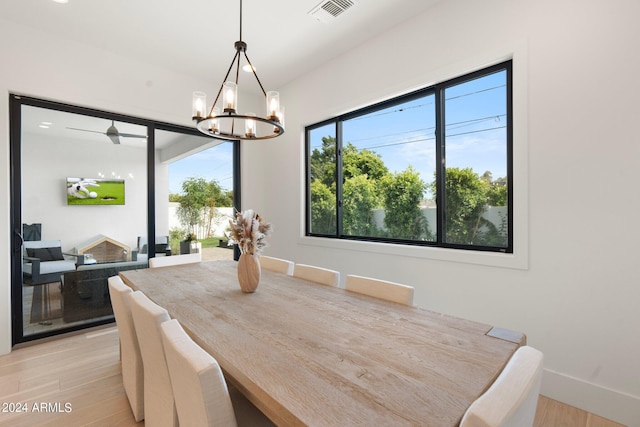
<point>199,388</point>
<point>165,261</point>
<point>320,275</point>
<point>159,405</point>
<point>381,289</point>
<point>130,357</point>
<point>512,399</point>
<point>276,264</point>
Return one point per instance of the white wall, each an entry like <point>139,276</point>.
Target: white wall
<point>43,66</point>
<point>572,284</point>
<point>44,197</point>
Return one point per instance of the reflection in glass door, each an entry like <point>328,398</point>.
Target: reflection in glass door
<point>87,190</point>
<point>83,212</point>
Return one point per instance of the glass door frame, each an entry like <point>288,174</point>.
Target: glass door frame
<point>15,135</point>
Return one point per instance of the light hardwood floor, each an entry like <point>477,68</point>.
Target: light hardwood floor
<point>76,381</point>
<point>552,413</point>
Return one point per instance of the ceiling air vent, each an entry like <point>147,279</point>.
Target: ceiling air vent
<point>326,11</point>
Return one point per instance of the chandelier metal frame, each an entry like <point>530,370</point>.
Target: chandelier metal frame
<point>212,124</point>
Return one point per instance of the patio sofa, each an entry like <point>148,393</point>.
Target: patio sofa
<point>44,262</point>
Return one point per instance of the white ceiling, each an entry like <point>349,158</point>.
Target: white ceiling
<point>46,123</point>
<point>196,37</point>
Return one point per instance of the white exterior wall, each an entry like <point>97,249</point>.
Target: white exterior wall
<point>219,225</point>
<point>493,214</point>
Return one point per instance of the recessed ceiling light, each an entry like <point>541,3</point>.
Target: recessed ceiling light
<point>43,126</point>
<point>61,1</point>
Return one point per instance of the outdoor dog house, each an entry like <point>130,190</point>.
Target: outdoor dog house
<point>104,249</point>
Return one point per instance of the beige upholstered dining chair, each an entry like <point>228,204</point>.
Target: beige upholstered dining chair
<point>276,264</point>
<point>320,275</point>
<point>381,289</point>
<point>130,357</point>
<point>512,399</point>
<point>159,406</point>
<point>199,388</point>
<point>165,261</point>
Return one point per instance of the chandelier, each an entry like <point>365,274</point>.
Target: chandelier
<point>223,121</point>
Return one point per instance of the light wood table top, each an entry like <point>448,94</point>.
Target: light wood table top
<point>308,354</point>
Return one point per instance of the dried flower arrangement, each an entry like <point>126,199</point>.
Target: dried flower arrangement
<point>248,231</point>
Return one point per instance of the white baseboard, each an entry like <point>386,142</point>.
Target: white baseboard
<point>619,407</point>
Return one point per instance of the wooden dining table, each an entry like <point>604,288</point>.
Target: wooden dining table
<point>315,355</point>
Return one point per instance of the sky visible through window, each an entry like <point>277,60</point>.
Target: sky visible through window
<point>215,163</point>
<point>404,135</point>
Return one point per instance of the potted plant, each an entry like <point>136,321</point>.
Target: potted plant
<point>190,244</point>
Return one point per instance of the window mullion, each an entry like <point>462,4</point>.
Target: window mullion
<point>308,179</point>
<point>509,104</point>
<point>339,179</point>
<point>440,165</point>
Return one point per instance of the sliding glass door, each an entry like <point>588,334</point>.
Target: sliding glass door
<point>82,206</point>
<point>93,193</point>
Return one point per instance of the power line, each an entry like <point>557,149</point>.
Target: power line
<point>394,143</point>
<point>455,125</point>
<point>398,110</point>
<point>459,125</point>
<point>474,93</point>
<point>403,109</point>
<point>423,130</point>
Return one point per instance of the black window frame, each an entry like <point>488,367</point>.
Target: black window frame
<point>438,90</point>
<point>16,102</point>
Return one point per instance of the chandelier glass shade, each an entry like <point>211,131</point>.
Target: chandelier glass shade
<point>222,120</point>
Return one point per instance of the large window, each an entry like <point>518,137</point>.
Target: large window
<point>430,168</point>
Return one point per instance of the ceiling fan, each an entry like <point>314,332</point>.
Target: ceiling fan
<point>113,133</point>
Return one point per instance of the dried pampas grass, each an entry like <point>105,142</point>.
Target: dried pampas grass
<point>249,231</point>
